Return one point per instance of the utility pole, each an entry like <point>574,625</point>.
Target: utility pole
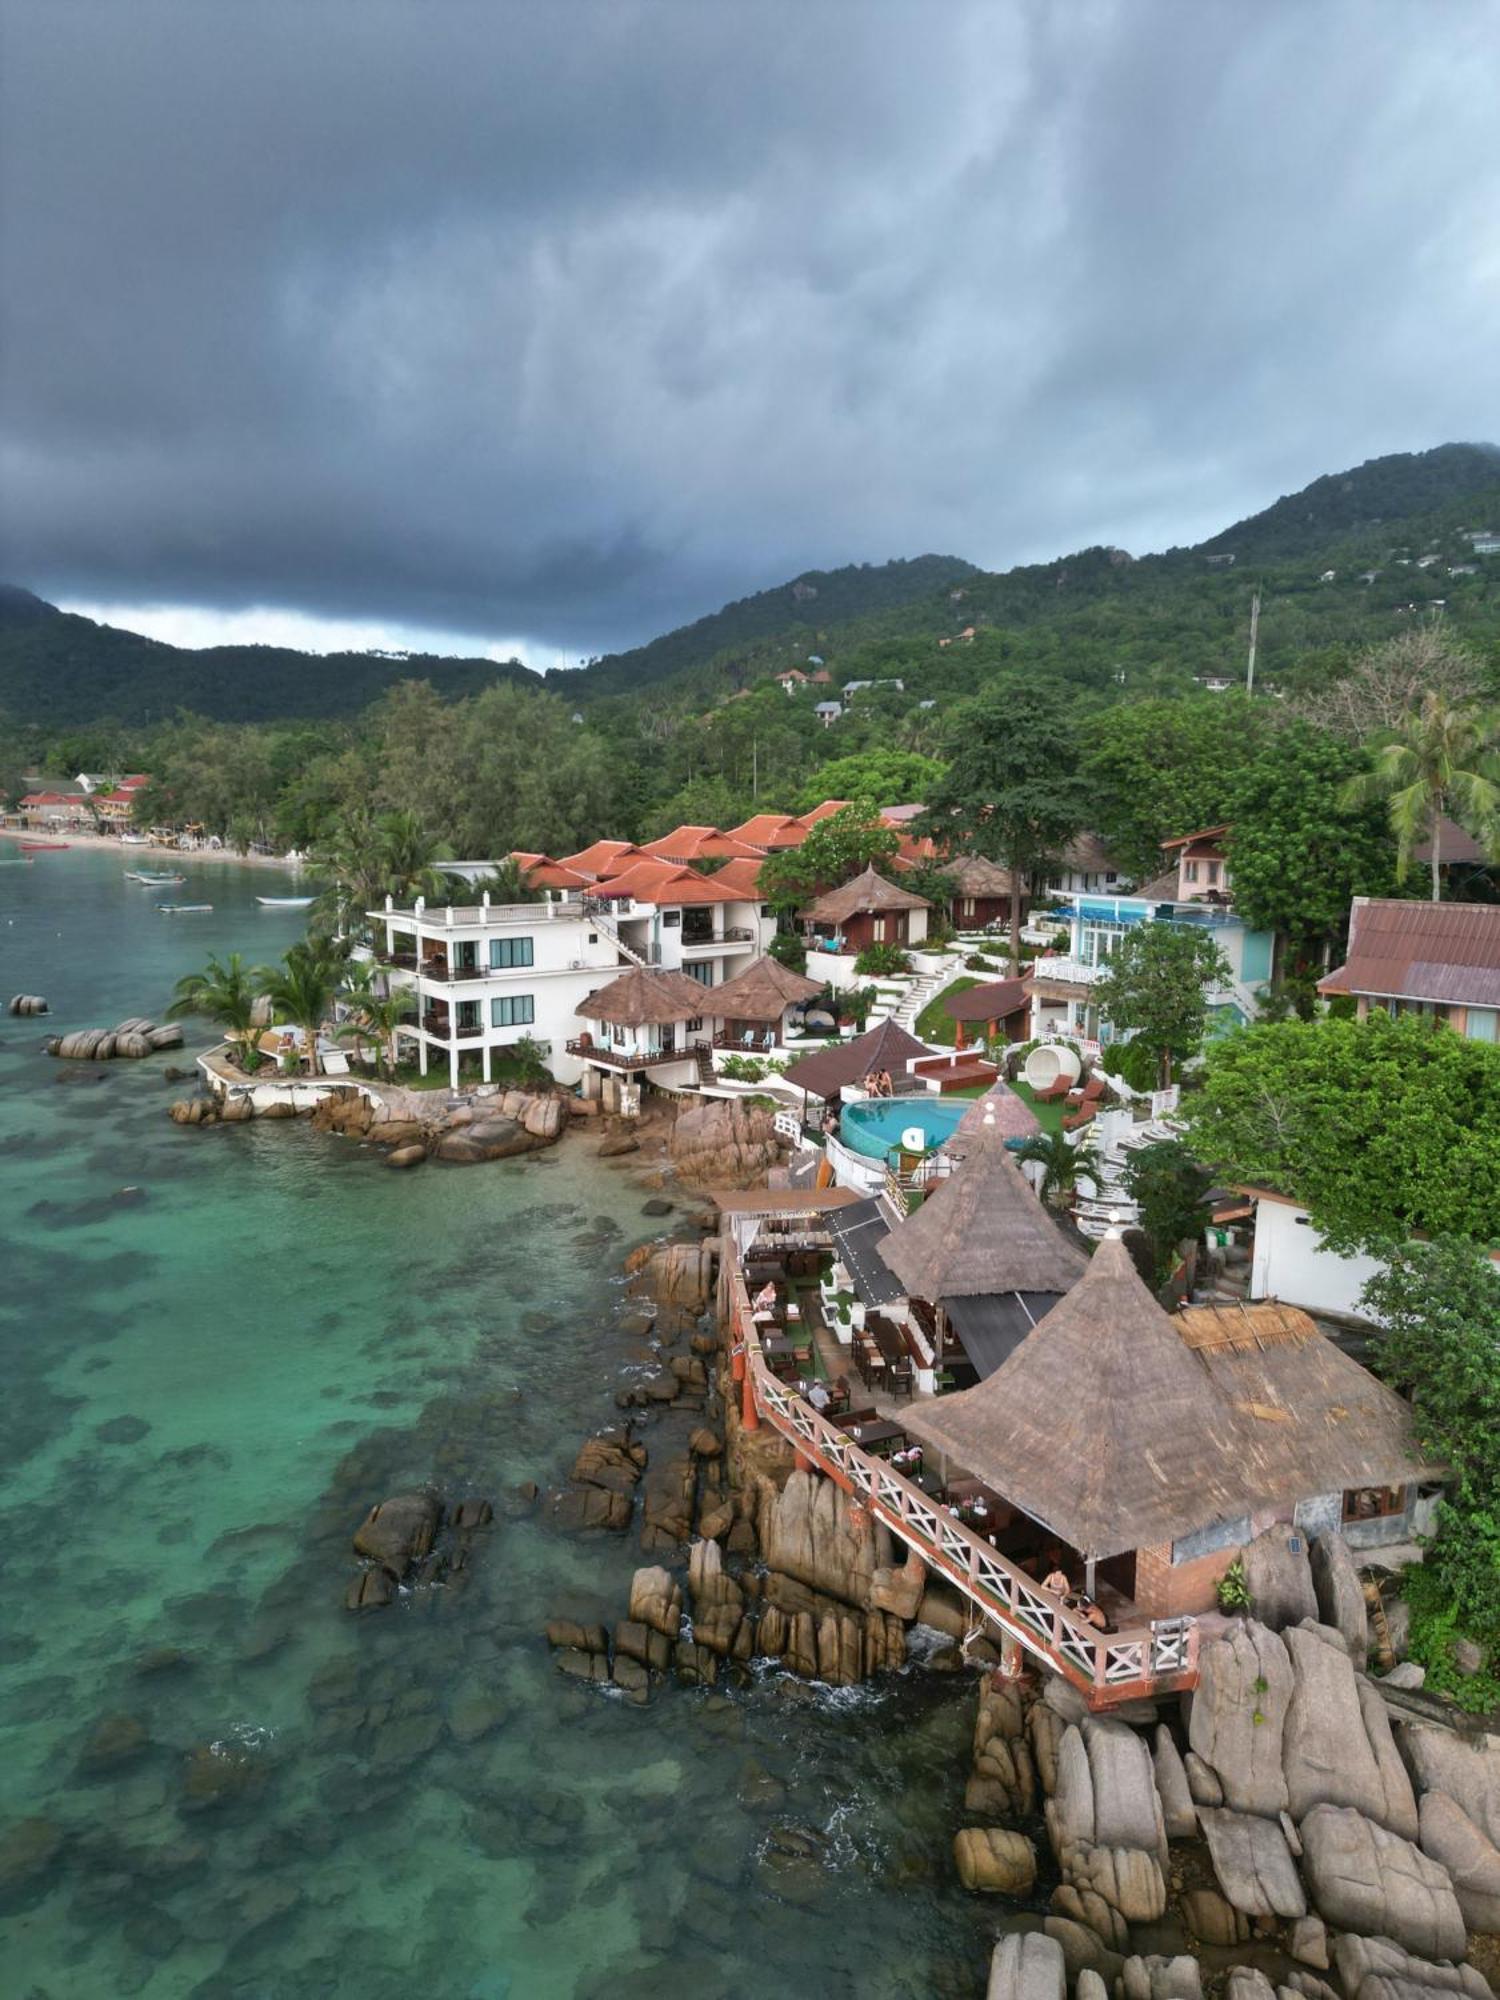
<point>754,767</point>
<point>1254,634</point>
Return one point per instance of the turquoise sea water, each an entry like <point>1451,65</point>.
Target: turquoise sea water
<point>876,1125</point>
<point>219,1348</point>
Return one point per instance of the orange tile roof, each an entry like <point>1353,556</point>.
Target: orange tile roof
<point>825,811</point>
<point>771,830</point>
<point>602,855</point>
<point>700,843</point>
<point>741,876</point>
<point>545,873</point>
<point>665,883</point>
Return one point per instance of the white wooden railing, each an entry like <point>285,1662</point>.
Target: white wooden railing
<point>1107,1667</point>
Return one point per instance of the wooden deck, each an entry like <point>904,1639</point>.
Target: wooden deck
<point>1152,1659</point>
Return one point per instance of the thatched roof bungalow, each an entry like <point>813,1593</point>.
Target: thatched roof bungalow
<point>869,910</point>
<point>1158,1446</point>
<point>754,1005</point>
<point>645,1016</point>
<point>982,891</point>
<point>1001,1007</point>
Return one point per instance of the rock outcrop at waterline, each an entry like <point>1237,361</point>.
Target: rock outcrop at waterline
<point>498,1128</point>
<point>724,1143</point>
<point>26,1003</point>
<point>413,1539</point>
<point>132,1039</point>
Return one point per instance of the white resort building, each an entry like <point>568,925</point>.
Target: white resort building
<point>484,975</point>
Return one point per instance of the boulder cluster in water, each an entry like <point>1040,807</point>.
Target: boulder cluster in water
<point>132,1039</point>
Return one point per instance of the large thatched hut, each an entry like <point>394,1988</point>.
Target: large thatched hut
<point>754,1005</point>
<point>869,910</point>
<point>1144,1451</point>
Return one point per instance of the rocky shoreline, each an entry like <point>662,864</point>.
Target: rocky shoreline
<point>1277,1835</point>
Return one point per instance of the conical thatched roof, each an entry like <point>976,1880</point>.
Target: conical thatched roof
<point>974,875</point>
<point>1102,1425</point>
<point>886,1046</point>
<point>868,891</point>
<point>642,998</point>
<point>1012,1114</point>
<point>762,992</point>
<point>1119,1427</point>
<point>982,1230</point>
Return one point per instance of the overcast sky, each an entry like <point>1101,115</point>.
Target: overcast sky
<point>553,326</point>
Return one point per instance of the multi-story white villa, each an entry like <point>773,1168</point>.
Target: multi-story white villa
<point>485,974</point>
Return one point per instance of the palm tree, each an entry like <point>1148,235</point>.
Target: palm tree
<point>303,987</point>
<point>411,858</point>
<point>228,994</point>
<point>508,882</point>
<point>1058,1160</point>
<point>1443,757</point>
<point>351,861</point>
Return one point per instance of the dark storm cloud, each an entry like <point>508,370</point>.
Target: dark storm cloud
<point>573,320</point>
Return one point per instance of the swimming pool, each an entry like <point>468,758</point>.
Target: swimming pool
<point>875,1125</point>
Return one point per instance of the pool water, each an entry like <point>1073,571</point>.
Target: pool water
<point>875,1126</point>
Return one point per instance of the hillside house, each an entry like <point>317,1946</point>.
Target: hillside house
<point>982,892</point>
<point>1440,960</point>
<point>1085,868</point>
<point>828,712</point>
<point>867,911</point>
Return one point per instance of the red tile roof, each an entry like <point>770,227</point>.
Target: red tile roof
<point>545,873</point>
<point>771,830</point>
<point>825,811</point>
<point>700,843</point>
<point>1447,953</point>
<point>666,884</point>
<point>741,876</point>
<point>603,855</point>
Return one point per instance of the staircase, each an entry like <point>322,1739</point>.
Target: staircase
<point>704,1057</point>
<point>606,926</point>
<point>920,992</point>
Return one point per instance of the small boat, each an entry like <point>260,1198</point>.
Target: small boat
<point>154,881</point>
<point>135,840</point>
<point>41,846</point>
<point>285,902</point>
<point>184,909</point>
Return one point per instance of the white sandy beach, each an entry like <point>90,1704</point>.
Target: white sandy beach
<point>152,851</point>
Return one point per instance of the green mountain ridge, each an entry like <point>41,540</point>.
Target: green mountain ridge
<point>1092,617</point>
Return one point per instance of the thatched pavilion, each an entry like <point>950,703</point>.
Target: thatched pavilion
<point>1149,1455</point>
<point>643,1013</point>
<point>754,1005</point>
<point>982,891</point>
<point>887,1046</point>
<point>981,1254</point>
<point>869,910</point>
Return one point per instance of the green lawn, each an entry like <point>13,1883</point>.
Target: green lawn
<point>935,1023</point>
<point>1048,1116</point>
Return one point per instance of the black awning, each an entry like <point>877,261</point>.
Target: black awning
<point>991,1325</point>
<point>859,1230</point>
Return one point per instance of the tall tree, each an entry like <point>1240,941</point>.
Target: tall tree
<point>1438,1307</point>
<point>411,857</point>
<point>1171,1190</point>
<point>1440,758</point>
<point>1160,768</point>
<point>1156,986</point>
<point>839,847</point>
<point>1379,1128</point>
<point>1389,682</point>
<point>226,993</point>
<point>1012,791</point>
<point>1298,854</point>
<point>302,989</point>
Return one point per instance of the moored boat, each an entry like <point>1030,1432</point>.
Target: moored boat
<point>154,881</point>
<point>41,846</point>
<point>284,902</point>
<point>183,909</point>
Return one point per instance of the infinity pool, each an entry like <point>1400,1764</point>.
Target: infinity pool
<point>876,1125</point>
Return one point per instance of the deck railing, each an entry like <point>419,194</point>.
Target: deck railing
<point>1106,1667</point>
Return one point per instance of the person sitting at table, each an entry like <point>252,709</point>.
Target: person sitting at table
<point>1056,1580</point>
<point>1092,1613</point>
<point>819,1397</point>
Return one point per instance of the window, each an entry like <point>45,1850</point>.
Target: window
<point>513,1010</point>
<point>694,1024</point>
<point>1480,1026</point>
<point>671,919</point>
<point>1213,873</point>
<point>1373,1503</point>
<point>508,953</point>
<point>702,970</point>
<point>1189,871</point>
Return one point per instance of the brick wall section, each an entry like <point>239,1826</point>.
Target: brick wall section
<point>1164,1589</point>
